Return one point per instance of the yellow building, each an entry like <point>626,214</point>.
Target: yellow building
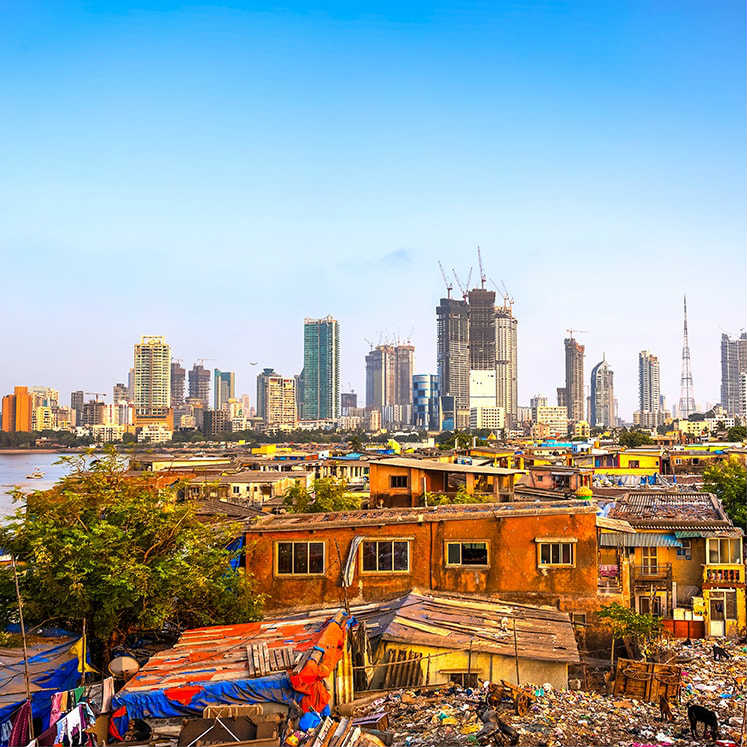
<point>685,559</point>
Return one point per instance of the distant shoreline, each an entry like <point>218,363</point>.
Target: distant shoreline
<point>35,451</point>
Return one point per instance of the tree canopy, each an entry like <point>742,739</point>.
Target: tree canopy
<point>122,554</point>
<point>328,495</point>
<point>736,433</point>
<point>728,481</point>
<point>631,439</point>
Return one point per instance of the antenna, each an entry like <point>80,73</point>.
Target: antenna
<point>448,285</point>
<point>687,398</point>
<point>482,270</point>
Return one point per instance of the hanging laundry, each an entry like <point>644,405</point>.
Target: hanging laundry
<point>59,706</point>
<point>106,701</point>
<point>19,734</point>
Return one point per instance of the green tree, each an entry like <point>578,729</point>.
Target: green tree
<point>460,497</point>
<point>122,554</point>
<point>631,439</point>
<point>728,481</point>
<point>736,433</point>
<point>627,624</point>
<point>328,495</point>
<point>355,442</point>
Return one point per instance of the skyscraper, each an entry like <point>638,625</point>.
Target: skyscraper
<point>152,377</point>
<point>404,360</point>
<point>506,359</point>
<point>224,387</point>
<point>574,379</point>
<point>279,398</point>
<point>178,374</point>
<point>119,393</point>
<point>321,369</point>
<point>78,397</point>
<point>602,395</point>
<point>649,392</point>
<point>348,401</point>
<point>733,364</point>
<point>452,351</point>
<point>17,411</point>
<point>199,384</point>
<point>262,377</point>
<point>380,379</point>
<point>481,329</point>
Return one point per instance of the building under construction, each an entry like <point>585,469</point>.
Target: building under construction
<point>481,329</point>
<point>452,350</point>
<point>506,366</point>
<point>574,379</point>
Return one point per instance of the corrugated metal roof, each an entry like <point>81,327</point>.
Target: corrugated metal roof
<point>641,539</point>
<point>690,533</point>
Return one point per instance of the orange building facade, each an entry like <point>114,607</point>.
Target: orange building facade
<point>523,552</point>
<point>16,416</point>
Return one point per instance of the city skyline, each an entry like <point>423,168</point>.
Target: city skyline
<point>324,162</point>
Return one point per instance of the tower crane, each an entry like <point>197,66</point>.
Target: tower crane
<point>201,361</point>
<point>97,395</point>
<point>459,283</point>
<point>448,285</point>
<point>370,344</point>
<point>571,331</point>
<point>483,278</point>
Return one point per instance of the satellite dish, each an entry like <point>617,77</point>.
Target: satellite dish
<point>123,667</point>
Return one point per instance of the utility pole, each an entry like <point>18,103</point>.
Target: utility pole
<point>25,649</point>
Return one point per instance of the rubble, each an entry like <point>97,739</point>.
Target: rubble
<point>452,715</point>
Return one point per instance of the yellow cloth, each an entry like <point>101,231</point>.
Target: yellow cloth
<point>77,649</point>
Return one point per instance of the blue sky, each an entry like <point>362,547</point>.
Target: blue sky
<point>215,173</point>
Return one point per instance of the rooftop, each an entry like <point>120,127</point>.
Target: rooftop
<point>247,476</point>
<point>434,466</point>
<point>657,509</point>
<point>420,514</point>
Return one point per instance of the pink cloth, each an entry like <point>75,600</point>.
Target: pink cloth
<point>57,708</point>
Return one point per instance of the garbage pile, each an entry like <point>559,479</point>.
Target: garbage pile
<point>452,715</point>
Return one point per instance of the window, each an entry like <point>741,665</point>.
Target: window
<point>300,558</point>
<point>634,463</point>
<point>686,551</point>
<point>578,618</point>
<point>382,556</point>
<point>723,605</point>
<point>650,561</point>
<point>236,489</point>
<point>724,550</point>
<point>556,553</point>
<point>463,679</point>
<point>398,481</point>
<point>467,553</point>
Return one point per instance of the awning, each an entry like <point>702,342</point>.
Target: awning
<point>641,539</point>
<point>690,533</point>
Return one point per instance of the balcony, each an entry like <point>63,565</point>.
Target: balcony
<point>648,574</point>
<point>731,573</point>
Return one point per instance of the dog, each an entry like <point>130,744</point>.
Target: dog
<point>720,654</point>
<point>665,710</point>
<point>698,715</point>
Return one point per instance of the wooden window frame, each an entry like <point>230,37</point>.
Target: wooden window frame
<point>391,540</point>
<point>540,541</point>
<point>721,561</point>
<point>462,542</point>
<point>393,478</point>
<point>276,549</point>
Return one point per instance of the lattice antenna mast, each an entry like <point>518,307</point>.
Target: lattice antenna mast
<point>687,393</point>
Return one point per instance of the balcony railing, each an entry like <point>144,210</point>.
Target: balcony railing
<point>648,573</point>
<point>724,574</point>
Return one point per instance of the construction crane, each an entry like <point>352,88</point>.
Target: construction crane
<point>459,283</point>
<point>448,285</point>
<point>370,344</point>
<point>97,395</point>
<point>508,301</point>
<point>571,331</point>
<point>201,361</point>
<point>483,278</point>
<point>469,278</point>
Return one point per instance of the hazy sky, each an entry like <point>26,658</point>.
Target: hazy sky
<point>215,173</point>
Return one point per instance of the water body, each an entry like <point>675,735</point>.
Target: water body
<point>15,467</point>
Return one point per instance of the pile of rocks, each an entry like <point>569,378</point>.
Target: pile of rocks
<point>451,715</point>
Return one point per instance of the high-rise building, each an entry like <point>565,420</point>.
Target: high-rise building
<point>506,360</point>
<point>348,401</point>
<point>299,394</point>
<point>404,361</point>
<point>224,387</point>
<point>426,399</point>
<point>17,411</point>
<point>77,399</point>
<point>556,418</point>
<point>649,393</point>
<point>733,364</point>
<point>452,351</point>
<point>119,393</point>
<point>178,376</point>
<point>687,391</point>
<point>602,399</point>
<point>279,399</point>
<point>199,384</point>
<point>152,358</point>
<point>482,388</point>
<point>321,369</point>
<point>539,400</point>
<point>481,329</point>
<point>130,385</point>
<point>574,379</point>
<point>743,397</point>
<point>215,422</point>
<point>380,379</point>
<point>262,378</point>
<point>562,397</point>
